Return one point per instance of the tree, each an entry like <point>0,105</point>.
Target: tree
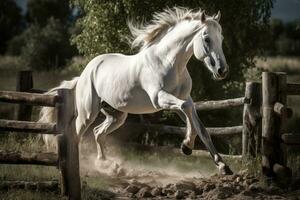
<point>45,44</point>
<point>10,22</point>
<point>39,11</point>
<point>285,38</point>
<point>46,47</point>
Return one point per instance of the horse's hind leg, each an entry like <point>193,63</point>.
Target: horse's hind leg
<point>114,119</point>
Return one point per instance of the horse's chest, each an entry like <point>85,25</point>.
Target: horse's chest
<point>178,85</point>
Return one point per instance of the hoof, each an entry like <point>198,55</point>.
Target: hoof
<point>186,150</point>
<point>225,170</point>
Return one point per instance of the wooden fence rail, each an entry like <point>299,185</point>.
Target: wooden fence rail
<point>25,126</point>
<point>8,157</point>
<point>221,104</point>
<point>181,131</point>
<point>28,98</point>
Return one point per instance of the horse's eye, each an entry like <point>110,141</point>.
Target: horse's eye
<point>207,40</point>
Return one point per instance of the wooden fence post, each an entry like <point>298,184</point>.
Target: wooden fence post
<point>66,126</point>
<point>62,156</point>
<point>271,124</point>
<point>282,98</point>
<point>280,168</point>
<point>24,84</point>
<point>251,138</point>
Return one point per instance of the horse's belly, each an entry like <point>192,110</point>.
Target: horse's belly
<point>137,102</point>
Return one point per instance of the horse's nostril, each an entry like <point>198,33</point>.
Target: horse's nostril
<point>220,71</point>
<point>212,62</point>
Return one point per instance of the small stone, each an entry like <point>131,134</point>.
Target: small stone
<point>247,193</point>
<point>221,195</point>
<point>121,171</point>
<point>136,183</point>
<point>157,191</point>
<point>132,189</point>
<point>199,191</point>
<point>208,187</point>
<point>226,185</point>
<point>144,192</point>
<point>255,187</point>
<point>130,195</point>
<point>167,191</point>
<point>273,189</point>
<point>185,185</point>
<point>191,194</point>
<point>179,194</point>
<point>246,183</point>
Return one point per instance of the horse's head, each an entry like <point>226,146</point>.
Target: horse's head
<point>208,46</point>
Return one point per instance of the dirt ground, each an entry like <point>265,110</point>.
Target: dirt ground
<point>135,181</point>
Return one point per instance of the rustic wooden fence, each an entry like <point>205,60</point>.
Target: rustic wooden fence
<point>275,90</point>
<point>263,130</point>
<point>67,157</point>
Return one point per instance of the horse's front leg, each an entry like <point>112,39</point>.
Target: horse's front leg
<point>206,139</point>
<point>194,126</point>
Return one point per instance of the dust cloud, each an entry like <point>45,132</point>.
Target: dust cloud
<point>158,170</point>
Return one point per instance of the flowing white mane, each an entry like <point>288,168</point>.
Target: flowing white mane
<point>144,34</point>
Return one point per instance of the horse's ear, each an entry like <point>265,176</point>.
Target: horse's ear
<point>202,17</point>
<point>217,17</point>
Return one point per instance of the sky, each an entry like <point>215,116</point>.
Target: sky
<point>286,10</point>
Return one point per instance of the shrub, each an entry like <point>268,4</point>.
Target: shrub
<point>46,47</point>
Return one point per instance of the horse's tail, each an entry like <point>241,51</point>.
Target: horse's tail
<point>48,114</point>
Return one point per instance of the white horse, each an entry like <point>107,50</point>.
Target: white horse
<point>154,79</point>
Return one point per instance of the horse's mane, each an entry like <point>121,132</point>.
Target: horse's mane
<point>145,34</point>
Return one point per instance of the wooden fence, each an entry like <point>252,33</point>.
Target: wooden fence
<point>275,113</point>
<point>264,111</point>
<point>67,157</point>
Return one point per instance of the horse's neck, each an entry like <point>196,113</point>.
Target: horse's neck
<point>176,48</point>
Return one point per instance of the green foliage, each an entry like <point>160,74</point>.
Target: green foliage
<point>46,47</point>
<point>10,21</point>
<point>45,44</point>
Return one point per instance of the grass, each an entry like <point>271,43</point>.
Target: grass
<point>279,63</point>
<point>97,185</point>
